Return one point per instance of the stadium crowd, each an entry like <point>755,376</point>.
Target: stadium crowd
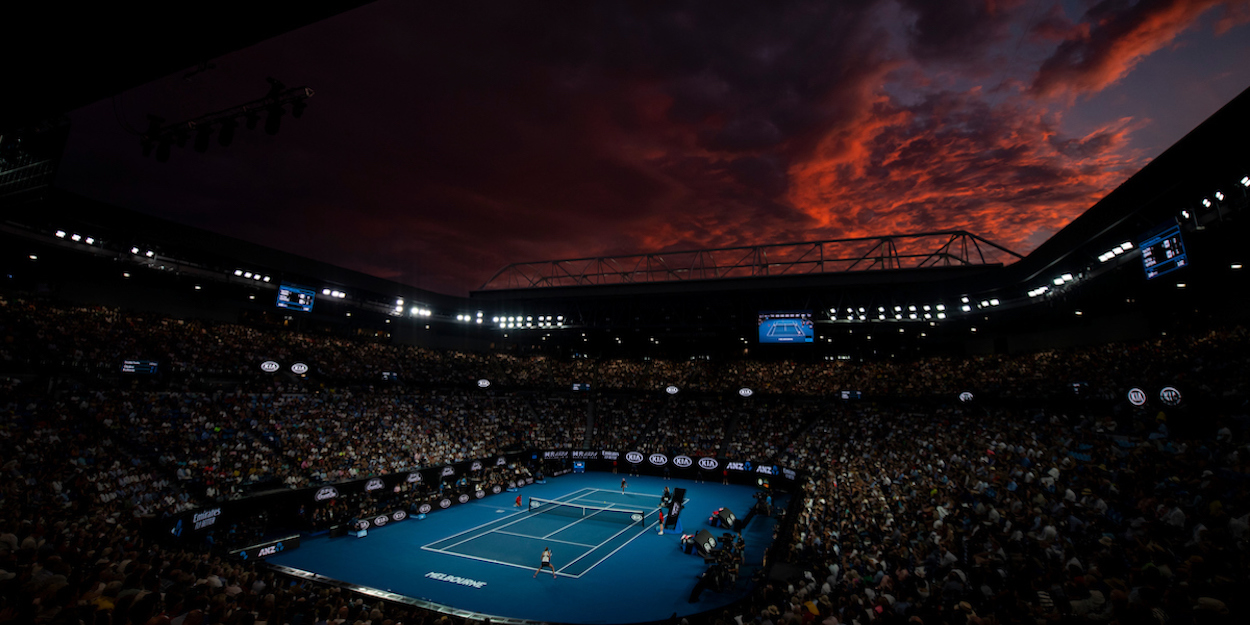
<point>913,512</point>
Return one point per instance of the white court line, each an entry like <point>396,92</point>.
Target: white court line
<point>566,542</point>
<point>471,529</point>
<point>575,523</point>
<point>511,564</point>
<point>644,530</point>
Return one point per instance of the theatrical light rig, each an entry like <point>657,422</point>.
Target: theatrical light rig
<point>161,137</point>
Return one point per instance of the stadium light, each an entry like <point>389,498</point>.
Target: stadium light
<point>75,237</point>
<point>1235,266</point>
<point>966,308</point>
<point>1206,202</point>
<point>149,254</point>
<point>135,250</point>
<point>60,234</point>
<point>1219,196</point>
<point>1245,181</point>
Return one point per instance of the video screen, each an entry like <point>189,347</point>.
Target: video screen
<point>1163,252</point>
<point>296,298</point>
<point>789,326</point>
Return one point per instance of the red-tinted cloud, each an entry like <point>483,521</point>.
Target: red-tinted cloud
<point>448,140</point>
<point>1114,36</point>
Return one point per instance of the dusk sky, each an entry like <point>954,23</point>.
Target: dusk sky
<point>446,140</point>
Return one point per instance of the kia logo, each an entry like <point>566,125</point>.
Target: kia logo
<point>299,368</point>
<point>479,494</point>
<point>708,463</point>
<point>414,477</point>
<point>399,515</point>
<point>499,462</point>
<point>269,366</point>
<point>373,484</point>
<point>682,461</point>
<point>380,520</point>
<point>495,489</point>
<point>1136,396</point>
<point>671,390</point>
<point>446,503</point>
<point>965,397</point>
<point>329,492</point>
<point>633,457</point>
<point>476,466</point>
<point>464,498</point>
<point>658,459</point>
<point>1170,396</point>
<point>511,484</point>
<point>483,383</point>
<point>745,392</point>
<point>425,508</point>
<point>362,525</point>
<point>448,471</point>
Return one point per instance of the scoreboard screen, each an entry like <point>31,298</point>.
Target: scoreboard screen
<point>140,367</point>
<point>296,298</point>
<point>1163,252</point>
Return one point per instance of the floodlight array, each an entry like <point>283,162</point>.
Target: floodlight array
<point>238,273</point>
<point>333,293</point>
<point>1115,251</point>
<point>897,312</point>
<point>529,322</point>
<point>75,237</point>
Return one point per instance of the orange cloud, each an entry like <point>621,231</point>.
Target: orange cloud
<point>1110,43</point>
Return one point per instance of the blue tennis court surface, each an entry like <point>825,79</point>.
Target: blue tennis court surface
<point>481,556</point>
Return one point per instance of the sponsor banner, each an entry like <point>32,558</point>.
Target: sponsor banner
<point>326,492</point>
<point>708,464</point>
<point>206,518</point>
<point>479,494</point>
<point>425,508</point>
<point>448,470</point>
<point>414,477</point>
<point>766,470</point>
<point>734,465</point>
<point>658,460</point>
<point>445,503</point>
<point>266,549</point>
<point>380,520</point>
<point>373,484</point>
<point>586,455</point>
<point>789,474</point>
<point>529,480</point>
<point>463,498</point>
<point>501,462</point>
<point>682,462</point>
<point>555,455</point>
<point>511,484</point>
<point>398,515</point>
<point>634,457</point>
<point>610,455</point>
<point>496,489</point>
<point>476,466</point>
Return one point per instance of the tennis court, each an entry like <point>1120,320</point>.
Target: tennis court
<point>611,568</point>
<point>582,529</point>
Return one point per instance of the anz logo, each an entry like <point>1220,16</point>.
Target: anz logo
<point>270,550</point>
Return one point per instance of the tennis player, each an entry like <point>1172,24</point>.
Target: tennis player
<point>546,563</point>
<point>623,485</point>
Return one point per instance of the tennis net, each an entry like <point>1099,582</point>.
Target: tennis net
<point>598,513</point>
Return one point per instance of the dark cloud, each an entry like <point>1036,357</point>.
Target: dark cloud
<point>960,30</point>
<point>447,140</point>
<point>1113,36</point>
